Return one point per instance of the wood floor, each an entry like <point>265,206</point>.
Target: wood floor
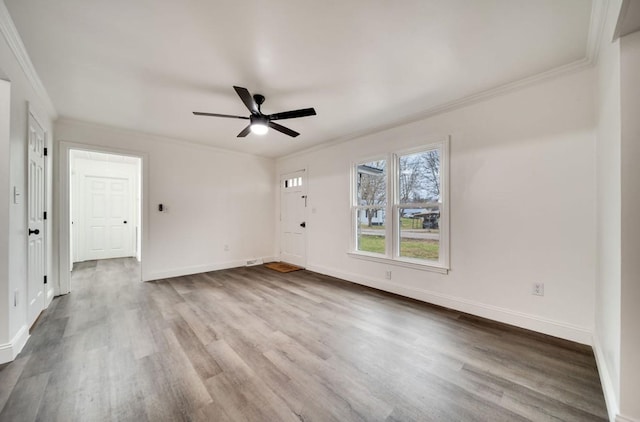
<point>253,344</point>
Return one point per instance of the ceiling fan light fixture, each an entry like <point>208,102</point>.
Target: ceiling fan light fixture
<point>259,124</point>
<point>259,128</point>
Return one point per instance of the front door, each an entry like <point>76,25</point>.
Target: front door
<point>36,236</point>
<point>293,201</point>
<point>108,229</point>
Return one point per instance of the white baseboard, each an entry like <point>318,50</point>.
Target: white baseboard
<point>159,275</point>
<point>606,381</point>
<point>9,351</point>
<point>49,297</point>
<point>563,330</point>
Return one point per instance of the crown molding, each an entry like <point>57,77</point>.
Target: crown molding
<point>478,97</point>
<point>599,10</point>
<point>596,30</point>
<point>71,122</point>
<point>11,35</point>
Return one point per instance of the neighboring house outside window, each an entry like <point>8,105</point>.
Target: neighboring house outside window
<point>400,207</point>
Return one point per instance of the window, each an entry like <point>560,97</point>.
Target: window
<point>370,208</point>
<point>400,209</point>
<point>292,183</point>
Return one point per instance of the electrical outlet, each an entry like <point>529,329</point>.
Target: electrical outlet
<point>388,275</point>
<point>538,289</point>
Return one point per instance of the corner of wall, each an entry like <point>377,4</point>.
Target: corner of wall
<point>9,351</point>
<point>605,379</point>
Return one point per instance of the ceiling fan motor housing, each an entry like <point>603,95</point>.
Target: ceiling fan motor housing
<point>259,119</point>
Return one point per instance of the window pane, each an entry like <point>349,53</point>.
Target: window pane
<point>420,233</point>
<point>371,180</point>
<point>420,177</point>
<point>371,230</point>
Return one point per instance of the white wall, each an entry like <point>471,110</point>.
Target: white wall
<point>630,264</point>
<point>522,207</point>
<point>213,197</point>
<point>20,95</point>
<point>5,152</point>
<point>14,331</point>
<point>608,203</point>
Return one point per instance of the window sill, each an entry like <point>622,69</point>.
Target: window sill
<point>399,262</point>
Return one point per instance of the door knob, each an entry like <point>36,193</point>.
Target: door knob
<point>36,231</point>
<point>125,221</point>
<point>303,224</point>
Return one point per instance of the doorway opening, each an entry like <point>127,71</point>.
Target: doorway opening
<point>105,208</point>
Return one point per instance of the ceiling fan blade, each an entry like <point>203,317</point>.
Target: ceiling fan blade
<point>303,112</point>
<point>247,99</point>
<point>283,129</point>
<point>244,132</point>
<point>199,113</point>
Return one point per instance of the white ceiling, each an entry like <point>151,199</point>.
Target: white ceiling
<point>146,65</point>
<point>629,20</point>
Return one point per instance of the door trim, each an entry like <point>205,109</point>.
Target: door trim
<point>64,214</point>
<point>305,189</point>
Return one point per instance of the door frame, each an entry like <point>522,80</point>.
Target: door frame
<point>305,188</point>
<point>64,207</point>
<point>129,172</point>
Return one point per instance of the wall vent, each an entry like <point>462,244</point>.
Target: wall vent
<point>252,262</point>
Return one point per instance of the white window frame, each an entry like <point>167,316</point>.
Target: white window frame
<point>392,228</point>
<point>355,207</point>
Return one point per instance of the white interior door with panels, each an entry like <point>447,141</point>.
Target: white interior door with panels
<point>293,202</point>
<point>105,206</point>
<point>107,231</point>
<point>36,241</point>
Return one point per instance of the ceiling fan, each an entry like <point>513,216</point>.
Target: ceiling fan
<point>259,123</point>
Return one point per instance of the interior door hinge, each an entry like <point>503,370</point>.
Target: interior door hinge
<point>45,215</point>
<point>45,279</point>
<point>46,152</point>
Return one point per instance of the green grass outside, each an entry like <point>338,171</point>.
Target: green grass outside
<point>409,248</point>
<point>371,244</point>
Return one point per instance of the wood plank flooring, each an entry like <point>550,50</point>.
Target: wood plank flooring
<point>251,344</point>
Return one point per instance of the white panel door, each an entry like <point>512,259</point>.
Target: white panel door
<point>108,229</point>
<point>293,202</point>
<point>35,209</point>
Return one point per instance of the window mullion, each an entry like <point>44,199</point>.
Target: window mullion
<point>391,205</point>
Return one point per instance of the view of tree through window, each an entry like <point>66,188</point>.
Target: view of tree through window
<point>397,206</point>
<point>418,205</point>
<point>372,200</point>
